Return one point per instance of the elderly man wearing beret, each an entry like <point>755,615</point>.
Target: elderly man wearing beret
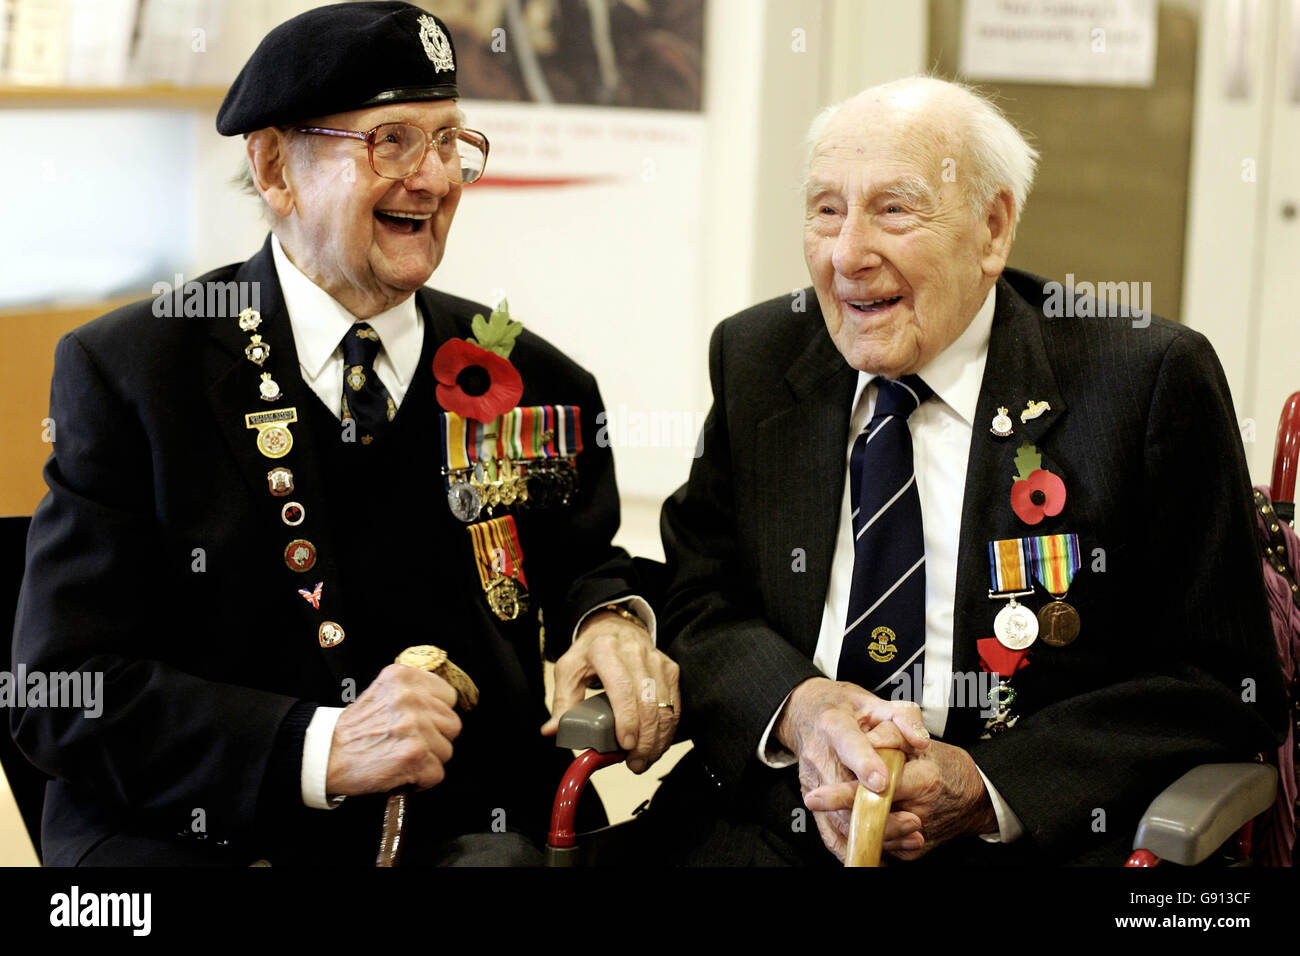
<point>253,513</point>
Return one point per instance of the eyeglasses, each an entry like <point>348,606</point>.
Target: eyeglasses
<point>397,150</point>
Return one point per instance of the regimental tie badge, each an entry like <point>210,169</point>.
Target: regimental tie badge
<point>882,647</point>
<point>273,437</point>
<point>436,45</point>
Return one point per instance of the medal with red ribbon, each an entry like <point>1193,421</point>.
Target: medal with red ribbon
<point>500,561</point>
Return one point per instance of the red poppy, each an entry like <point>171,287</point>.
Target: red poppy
<point>1040,494</point>
<point>475,383</point>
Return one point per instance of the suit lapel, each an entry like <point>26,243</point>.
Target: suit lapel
<point>232,382</point>
<point>1016,372</point>
<point>800,472</point>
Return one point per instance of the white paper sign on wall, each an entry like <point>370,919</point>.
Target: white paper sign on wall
<point>1078,42</point>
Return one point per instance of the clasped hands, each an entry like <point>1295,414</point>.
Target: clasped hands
<point>835,729</point>
<point>400,730</point>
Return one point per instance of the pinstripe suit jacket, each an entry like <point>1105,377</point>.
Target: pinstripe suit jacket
<point>1175,628</point>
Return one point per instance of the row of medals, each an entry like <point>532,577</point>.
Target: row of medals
<point>528,483</point>
<point>1017,627</point>
<point>275,441</point>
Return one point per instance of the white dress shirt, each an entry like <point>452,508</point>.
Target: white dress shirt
<point>941,435</point>
<point>319,323</point>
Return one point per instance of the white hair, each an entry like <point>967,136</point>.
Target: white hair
<point>997,156</point>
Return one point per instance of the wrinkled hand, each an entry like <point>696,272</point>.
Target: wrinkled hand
<point>398,732</point>
<point>636,677</point>
<point>939,795</point>
<point>835,729</point>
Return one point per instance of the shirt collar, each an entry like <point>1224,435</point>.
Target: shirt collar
<point>319,322</point>
<point>957,372</point>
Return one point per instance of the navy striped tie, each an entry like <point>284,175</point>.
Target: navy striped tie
<point>884,632</point>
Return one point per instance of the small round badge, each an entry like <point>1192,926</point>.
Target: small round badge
<point>330,634</point>
<point>280,482</point>
<point>274,441</point>
<point>300,555</point>
<point>292,513</point>
<point>1015,627</point>
<point>249,320</point>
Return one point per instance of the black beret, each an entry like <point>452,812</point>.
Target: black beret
<point>338,58</point>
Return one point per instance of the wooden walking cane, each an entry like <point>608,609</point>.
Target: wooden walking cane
<point>425,657</point>
<point>870,811</point>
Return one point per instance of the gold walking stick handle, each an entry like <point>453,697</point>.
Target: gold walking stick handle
<point>425,657</point>
<point>870,811</point>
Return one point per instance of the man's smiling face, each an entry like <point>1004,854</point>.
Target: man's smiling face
<point>897,257</point>
<point>369,241</point>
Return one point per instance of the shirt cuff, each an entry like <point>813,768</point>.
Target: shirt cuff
<point>770,751</point>
<point>1009,826</point>
<point>637,605</point>
<point>316,758</point>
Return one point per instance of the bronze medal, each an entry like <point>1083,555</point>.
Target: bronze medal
<point>1058,623</point>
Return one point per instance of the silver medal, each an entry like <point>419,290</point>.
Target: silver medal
<point>465,501</point>
<point>1016,627</point>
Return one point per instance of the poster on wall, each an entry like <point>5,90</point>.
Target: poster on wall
<point>1077,42</point>
<point>587,217</point>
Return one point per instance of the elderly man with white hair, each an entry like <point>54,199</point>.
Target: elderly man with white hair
<point>939,514</point>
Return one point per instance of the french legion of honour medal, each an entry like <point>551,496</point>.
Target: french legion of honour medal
<point>1001,424</point>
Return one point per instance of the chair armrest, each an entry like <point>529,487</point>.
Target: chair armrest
<point>1198,812</point>
<point>589,726</point>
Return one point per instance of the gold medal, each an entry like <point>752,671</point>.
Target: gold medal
<point>274,439</point>
<point>1058,623</point>
<point>499,560</point>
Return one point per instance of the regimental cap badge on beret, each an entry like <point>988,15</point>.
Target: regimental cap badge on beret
<point>341,57</point>
<point>436,44</point>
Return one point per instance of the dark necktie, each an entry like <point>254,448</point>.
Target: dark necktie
<point>365,400</point>
<point>884,632</point>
